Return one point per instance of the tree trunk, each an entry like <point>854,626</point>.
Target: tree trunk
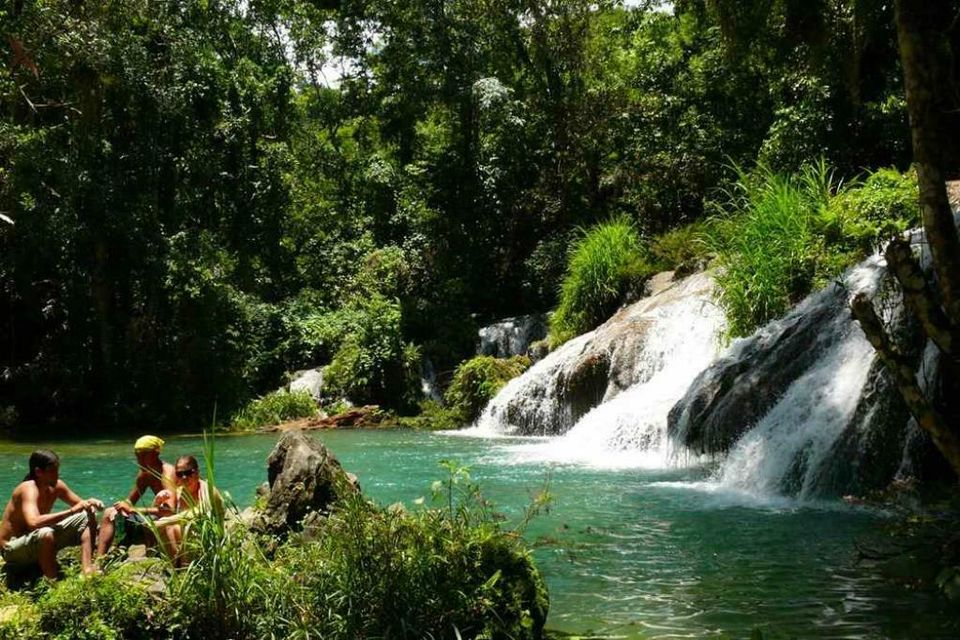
<point>925,57</point>
<point>903,371</point>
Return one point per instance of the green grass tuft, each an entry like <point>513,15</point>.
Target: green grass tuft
<point>605,264</point>
<point>274,408</point>
<point>779,237</point>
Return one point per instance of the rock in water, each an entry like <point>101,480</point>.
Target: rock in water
<point>305,479</point>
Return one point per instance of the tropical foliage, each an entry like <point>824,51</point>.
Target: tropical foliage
<point>198,196</point>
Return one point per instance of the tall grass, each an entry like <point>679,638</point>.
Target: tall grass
<point>779,237</point>
<point>768,242</point>
<point>604,265</point>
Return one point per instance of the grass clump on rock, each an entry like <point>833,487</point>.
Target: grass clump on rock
<point>477,380</point>
<point>274,408</point>
<point>605,265</point>
<point>781,236</point>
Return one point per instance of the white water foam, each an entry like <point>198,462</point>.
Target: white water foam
<point>631,429</point>
<point>628,429</point>
<point>792,441</point>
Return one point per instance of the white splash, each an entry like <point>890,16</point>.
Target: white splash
<point>787,448</point>
<point>628,429</point>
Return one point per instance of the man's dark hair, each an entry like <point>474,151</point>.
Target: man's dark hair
<point>190,461</point>
<point>41,459</point>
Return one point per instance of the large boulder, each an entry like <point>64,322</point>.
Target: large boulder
<point>304,481</point>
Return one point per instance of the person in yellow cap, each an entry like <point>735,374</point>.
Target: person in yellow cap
<point>154,474</point>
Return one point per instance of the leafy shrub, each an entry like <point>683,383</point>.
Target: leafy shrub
<point>373,364</point>
<point>476,381</point>
<point>605,264</point>
<point>449,571</point>
<point>385,271</point>
<point>274,408</point>
<point>862,217</point>
<point>114,606</point>
<point>19,617</point>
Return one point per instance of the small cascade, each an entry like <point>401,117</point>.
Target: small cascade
<point>611,389</point>
<point>631,428</point>
<point>428,381</point>
<point>802,407</point>
<point>512,336</point>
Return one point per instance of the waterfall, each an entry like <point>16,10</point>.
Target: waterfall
<point>802,407</point>
<point>608,392</point>
<point>511,336</point>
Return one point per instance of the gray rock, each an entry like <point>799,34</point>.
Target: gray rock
<point>305,480</point>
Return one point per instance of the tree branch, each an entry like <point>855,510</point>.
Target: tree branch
<point>903,372</point>
<point>919,297</point>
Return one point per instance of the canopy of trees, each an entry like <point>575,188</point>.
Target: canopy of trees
<point>198,195</point>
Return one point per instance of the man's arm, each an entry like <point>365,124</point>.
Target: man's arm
<point>29,501</point>
<point>127,506</point>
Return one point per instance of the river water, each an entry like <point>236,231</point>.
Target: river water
<point>626,552</point>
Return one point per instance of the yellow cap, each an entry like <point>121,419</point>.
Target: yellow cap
<point>148,443</point>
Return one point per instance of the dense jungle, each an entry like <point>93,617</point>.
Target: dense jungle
<point>704,252</point>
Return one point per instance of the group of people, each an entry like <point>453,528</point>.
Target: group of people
<point>31,533</point>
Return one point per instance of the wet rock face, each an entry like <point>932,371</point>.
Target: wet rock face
<point>305,479</point>
<point>596,367</point>
<point>733,393</point>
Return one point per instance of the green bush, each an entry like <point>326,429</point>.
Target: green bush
<point>373,365</point>
<point>862,217</point>
<point>274,408</point>
<point>782,236</point>
<point>114,606</point>
<point>605,264</point>
<point>477,380</point>
<point>678,247</point>
<point>449,571</point>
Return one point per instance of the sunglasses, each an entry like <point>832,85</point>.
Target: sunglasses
<point>186,473</point>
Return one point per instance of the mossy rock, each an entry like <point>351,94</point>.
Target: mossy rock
<point>478,380</point>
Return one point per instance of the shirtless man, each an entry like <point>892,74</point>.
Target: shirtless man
<point>154,474</point>
<point>30,534</point>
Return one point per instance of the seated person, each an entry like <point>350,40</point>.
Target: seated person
<point>31,535</point>
<point>192,496</point>
<point>154,474</point>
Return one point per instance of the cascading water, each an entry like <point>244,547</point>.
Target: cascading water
<point>800,408</point>
<point>787,449</point>
<point>634,367</point>
<point>511,336</point>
